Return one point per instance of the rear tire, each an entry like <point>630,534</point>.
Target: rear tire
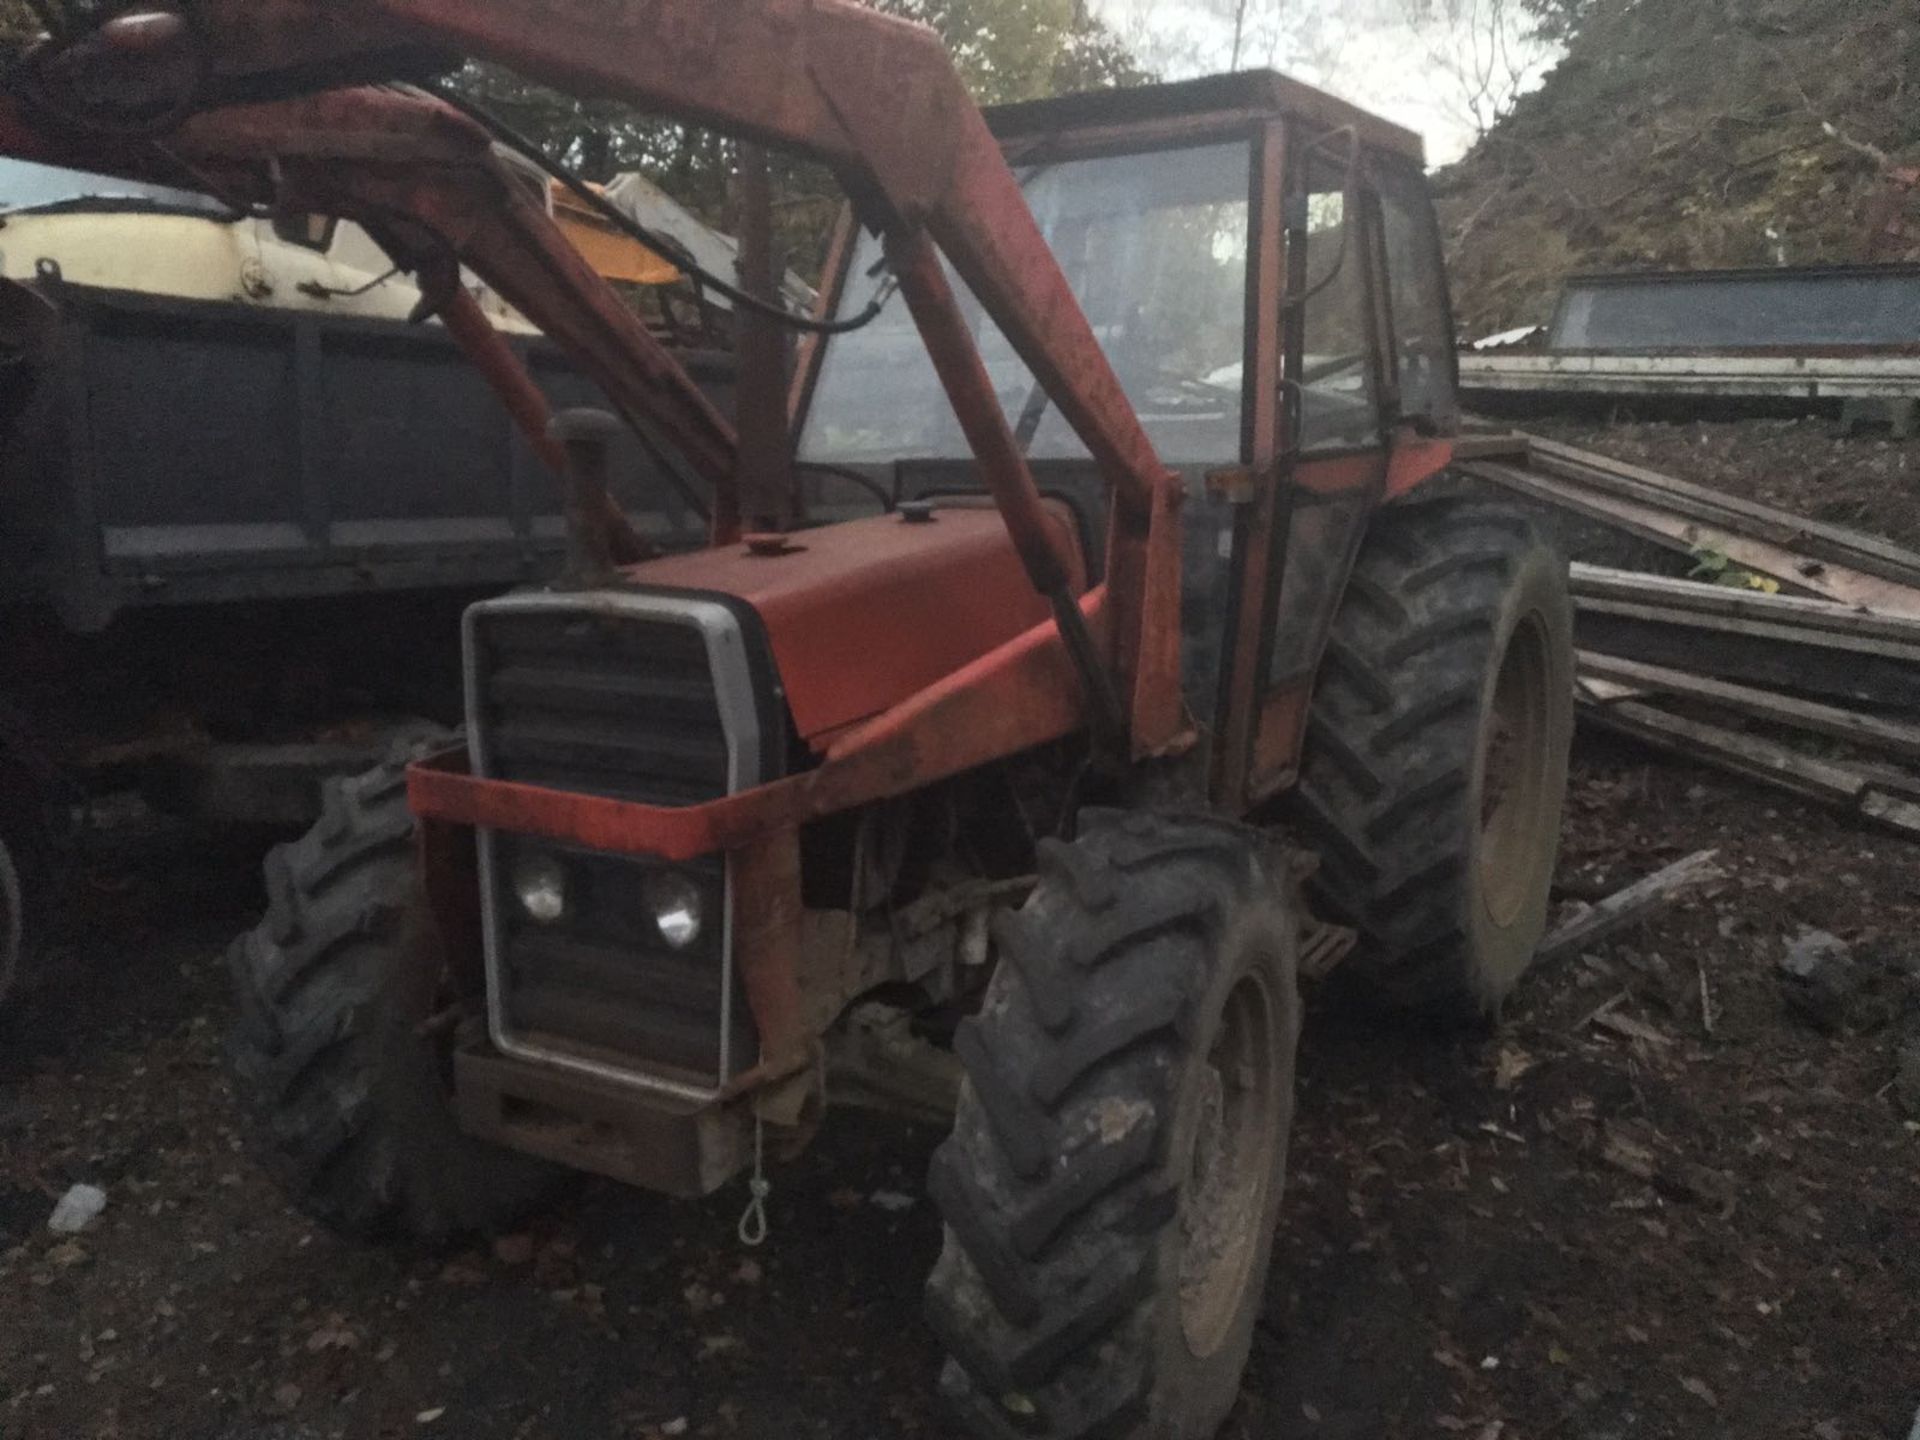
<point>1436,761</point>
<point>350,1103</point>
<point>1115,1171</point>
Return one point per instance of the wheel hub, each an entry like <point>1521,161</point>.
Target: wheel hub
<point>1224,1201</point>
<point>1514,770</point>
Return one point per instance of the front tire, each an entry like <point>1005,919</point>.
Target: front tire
<point>1114,1175</point>
<point>349,1098</point>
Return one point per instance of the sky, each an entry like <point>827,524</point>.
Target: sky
<point>1415,72</point>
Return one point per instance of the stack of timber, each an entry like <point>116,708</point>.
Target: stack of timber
<point>1815,690</point>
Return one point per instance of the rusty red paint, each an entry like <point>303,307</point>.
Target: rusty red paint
<point>1161,726</point>
<point>1415,462</point>
<point>448,863</point>
<point>865,614</point>
<point>1280,736</point>
<point>766,946</point>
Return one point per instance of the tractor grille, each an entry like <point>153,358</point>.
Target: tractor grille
<point>602,705</point>
<point>641,698</point>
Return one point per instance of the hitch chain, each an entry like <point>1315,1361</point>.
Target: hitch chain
<point>753,1223</point>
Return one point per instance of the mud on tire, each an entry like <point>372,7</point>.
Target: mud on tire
<point>348,1101</point>
<point>1114,1175</point>
<point>1436,758</point>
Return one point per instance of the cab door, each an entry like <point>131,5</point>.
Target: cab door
<point>1364,415</point>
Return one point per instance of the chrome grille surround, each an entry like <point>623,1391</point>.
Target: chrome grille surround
<point>692,625</point>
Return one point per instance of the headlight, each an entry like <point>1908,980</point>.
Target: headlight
<point>540,884</point>
<point>674,902</point>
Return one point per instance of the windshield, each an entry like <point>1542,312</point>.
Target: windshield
<point>1155,247</point>
<point>27,187</point>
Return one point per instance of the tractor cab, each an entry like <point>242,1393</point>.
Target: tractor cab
<point>1262,267</point>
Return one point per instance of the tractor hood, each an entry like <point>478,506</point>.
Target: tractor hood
<point>864,614</point>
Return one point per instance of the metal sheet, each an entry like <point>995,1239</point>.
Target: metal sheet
<point>1824,308</point>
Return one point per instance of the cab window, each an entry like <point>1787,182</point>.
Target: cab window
<point>1340,409</point>
<point>1417,291</point>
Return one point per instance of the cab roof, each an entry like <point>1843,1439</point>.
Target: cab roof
<point>1244,94</point>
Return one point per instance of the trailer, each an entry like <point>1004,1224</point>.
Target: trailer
<point>223,430</point>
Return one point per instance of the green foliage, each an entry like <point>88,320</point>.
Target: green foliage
<point>1006,50</point>
<point>1010,50</point>
<point>1561,19</point>
<point>1717,567</point>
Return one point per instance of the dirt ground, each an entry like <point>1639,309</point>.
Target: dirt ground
<point>1627,1213</point>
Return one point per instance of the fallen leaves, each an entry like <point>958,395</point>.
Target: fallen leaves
<point>514,1250</point>
<point>1699,1388</point>
<point>333,1334</point>
<point>464,1270</point>
<point>1512,1064</point>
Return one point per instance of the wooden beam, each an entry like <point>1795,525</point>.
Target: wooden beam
<point>1663,525</point>
<point>1757,759</point>
<point>1855,549</point>
<point>1629,679</point>
<point>1803,662</point>
<point>1632,905</point>
<point>1600,582</point>
<point>1768,629</point>
<point>1481,445</point>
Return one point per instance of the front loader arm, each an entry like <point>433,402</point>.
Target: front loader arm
<point>875,98</point>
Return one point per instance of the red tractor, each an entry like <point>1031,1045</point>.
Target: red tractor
<point>1082,658</point>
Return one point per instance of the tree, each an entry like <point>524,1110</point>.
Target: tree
<point>1005,50</point>
<point>1491,52</point>
<point>1559,20</point>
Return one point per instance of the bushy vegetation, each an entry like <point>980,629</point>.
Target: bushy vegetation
<point>1685,133</point>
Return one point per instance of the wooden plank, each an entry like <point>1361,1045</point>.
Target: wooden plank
<point>1742,755</point>
<point>1606,692</point>
<point>1902,815</point>
<point>1632,905</point>
<point>1789,660</point>
<point>1485,446</point>
<point>1788,634</point>
<point>1856,549</point>
<point>1675,531</point>
<point>1757,759</point>
<point>1600,582</point>
<point>1608,678</point>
